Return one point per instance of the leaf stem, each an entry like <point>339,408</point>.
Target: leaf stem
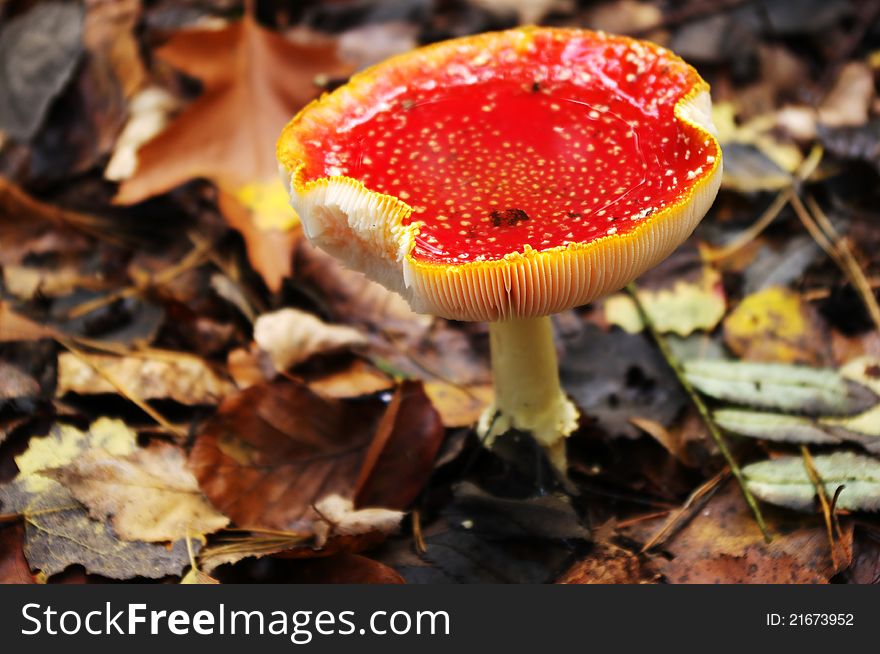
<point>703,410</point>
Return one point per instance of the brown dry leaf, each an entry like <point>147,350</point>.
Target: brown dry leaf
<point>149,495</point>
<point>356,379</point>
<point>108,34</point>
<point>276,449</point>
<point>185,379</point>
<point>15,327</point>
<point>291,336</point>
<point>605,566</point>
<point>15,383</point>
<point>777,325</point>
<point>459,406</point>
<point>254,81</point>
<point>345,569</point>
<point>848,103</point>
<point>354,299</point>
<point>722,544</point>
<point>14,567</point>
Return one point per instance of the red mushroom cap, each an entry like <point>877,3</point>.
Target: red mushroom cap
<point>507,175</point>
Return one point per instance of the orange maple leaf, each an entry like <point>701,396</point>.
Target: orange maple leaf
<point>254,81</point>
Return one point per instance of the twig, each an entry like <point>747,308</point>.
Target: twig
<point>703,410</point>
<point>840,251</point>
<point>119,386</point>
<point>803,173</point>
<point>684,513</point>
<point>418,536</point>
<point>194,259</point>
<point>813,474</point>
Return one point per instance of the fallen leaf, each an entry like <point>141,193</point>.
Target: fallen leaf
<point>357,379</point>
<point>291,336</point>
<point>149,495</point>
<point>197,577</point>
<point>528,12</point>
<point>616,376</point>
<point>848,102</point>
<point>459,406</point>
<point>16,327</point>
<point>40,51</point>
<point>784,481</point>
<point>795,388</point>
<point>13,566</point>
<point>59,531</point>
<point>15,383</point>
<point>254,81</point>
<point>109,35</point>
<point>722,544</point>
<point>337,516</point>
<point>185,379</point>
<point>775,324</point>
<point>276,449</point>
<point>148,114</point>
<point>681,306</point>
<point>345,569</point>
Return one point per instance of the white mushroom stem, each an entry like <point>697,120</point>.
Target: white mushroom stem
<point>528,396</point>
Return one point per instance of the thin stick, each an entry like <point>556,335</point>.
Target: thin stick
<point>686,511</point>
<point>193,259</point>
<point>813,474</point>
<point>119,386</point>
<point>703,410</point>
<point>418,536</point>
<point>847,261</point>
<point>803,173</point>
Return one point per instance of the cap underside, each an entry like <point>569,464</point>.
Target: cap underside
<point>510,174</point>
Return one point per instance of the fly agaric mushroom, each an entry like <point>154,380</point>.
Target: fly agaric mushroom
<point>506,177</point>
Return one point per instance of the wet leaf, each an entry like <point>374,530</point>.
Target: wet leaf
<point>800,389</point>
<point>784,481</point>
<point>254,81</point>
<point>275,450</point>
<point>775,324</point>
<point>186,379</point>
<point>40,51</point>
<point>148,495</point>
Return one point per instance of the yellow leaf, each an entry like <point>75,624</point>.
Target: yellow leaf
<point>269,203</point>
<point>688,306</point>
<point>775,324</point>
<point>66,444</point>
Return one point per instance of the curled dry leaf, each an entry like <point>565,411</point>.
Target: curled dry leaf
<point>276,449</point>
<point>149,495</point>
<point>785,481</point>
<point>338,517</point>
<point>291,336</point>
<point>185,379</point>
